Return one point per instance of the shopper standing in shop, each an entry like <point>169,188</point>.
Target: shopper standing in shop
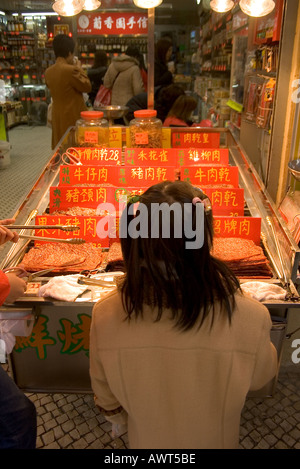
<point>123,77</point>
<point>163,52</point>
<point>97,72</point>
<point>18,420</point>
<point>67,82</point>
<point>176,348</point>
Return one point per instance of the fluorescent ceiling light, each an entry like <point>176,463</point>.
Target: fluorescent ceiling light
<point>147,3</point>
<point>90,5</point>
<point>67,7</point>
<point>46,13</point>
<point>257,8</point>
<point>221,6</point>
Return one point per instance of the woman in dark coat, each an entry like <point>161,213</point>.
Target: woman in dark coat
<point>97,72</point>
<point>163,52</point>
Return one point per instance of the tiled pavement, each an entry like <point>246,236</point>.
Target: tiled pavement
<point>71,421</point>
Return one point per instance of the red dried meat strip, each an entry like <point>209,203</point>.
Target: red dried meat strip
<point>115,253</point>
<point>82,256</point>
<point>234,249</point>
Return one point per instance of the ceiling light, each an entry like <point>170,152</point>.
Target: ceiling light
<point>91,5</point>
<point>257,8</point>
<point>221,6</point>
<point>67,7</point>
<point>147,3</point>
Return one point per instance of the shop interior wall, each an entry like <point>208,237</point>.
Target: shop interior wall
<point>285,130</point>
<point>269,152</point>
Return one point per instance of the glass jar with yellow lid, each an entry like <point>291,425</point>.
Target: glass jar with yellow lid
<point>92,130</point>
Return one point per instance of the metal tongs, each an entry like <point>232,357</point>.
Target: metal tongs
<point>54,240</point>
<point>42,227</point>
<point>21,272</point>
<point>100,280</point>
<point>292,294</point>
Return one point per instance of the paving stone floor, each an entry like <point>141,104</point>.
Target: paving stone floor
<point>71,421</point>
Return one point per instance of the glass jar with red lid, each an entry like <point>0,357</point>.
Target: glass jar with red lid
<point>92,130</point>
<point>145,129</point>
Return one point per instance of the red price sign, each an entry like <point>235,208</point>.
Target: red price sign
<point>64,198</point>
<point>199,156</point>
<point>146,176</point>
<point>226,176</point>
<point>238,227</point>
<point>192,139</point>
<point>228,202</point>
<point>151,157</point>
<point>86,155</point>
<point>87,228</point>
<point>71,175</point>
<point>135,176</point>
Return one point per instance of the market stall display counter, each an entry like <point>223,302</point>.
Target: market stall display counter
<point>55,356</point>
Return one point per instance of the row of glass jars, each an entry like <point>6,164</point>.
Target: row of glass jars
<point>145,130</point>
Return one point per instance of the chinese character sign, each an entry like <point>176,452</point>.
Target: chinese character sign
<point>228,202</point>
<point>112,23</point>
<point>72,337</point>
<point>196,156</point>
<point>151,157</point>
<point>238,227</point>
<point>226,176</point>
<point>61,198</point>
<point>194,139</point>
<point>91,155</point>
<point>140,176</point>
<point>87,228</point>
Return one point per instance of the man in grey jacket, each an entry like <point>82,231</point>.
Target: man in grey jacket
<point>124,78</point>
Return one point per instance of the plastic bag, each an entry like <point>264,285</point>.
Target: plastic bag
<point>49,115</point>
<point>103,97</point>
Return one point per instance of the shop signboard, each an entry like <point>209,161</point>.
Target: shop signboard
<point>226,176</point>
<point>134,176</point>
<point>191,139</point>
<point>92,155</point>
<point>64,197</point>
<point>238,227</point>
<point>228,202</point>
<point>112,23</point>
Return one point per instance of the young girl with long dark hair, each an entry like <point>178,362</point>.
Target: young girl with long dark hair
<point>176,348</point>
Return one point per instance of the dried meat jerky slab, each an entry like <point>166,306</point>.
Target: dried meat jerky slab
<point>76,211</point>
<point>115,253</point>
<point>82,256</point>
<point>234,249</point>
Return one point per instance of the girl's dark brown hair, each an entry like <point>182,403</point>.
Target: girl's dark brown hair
<point>183,107</point>
<point>162,273</point>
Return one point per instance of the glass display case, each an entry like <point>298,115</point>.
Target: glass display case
<point>44,361</point>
